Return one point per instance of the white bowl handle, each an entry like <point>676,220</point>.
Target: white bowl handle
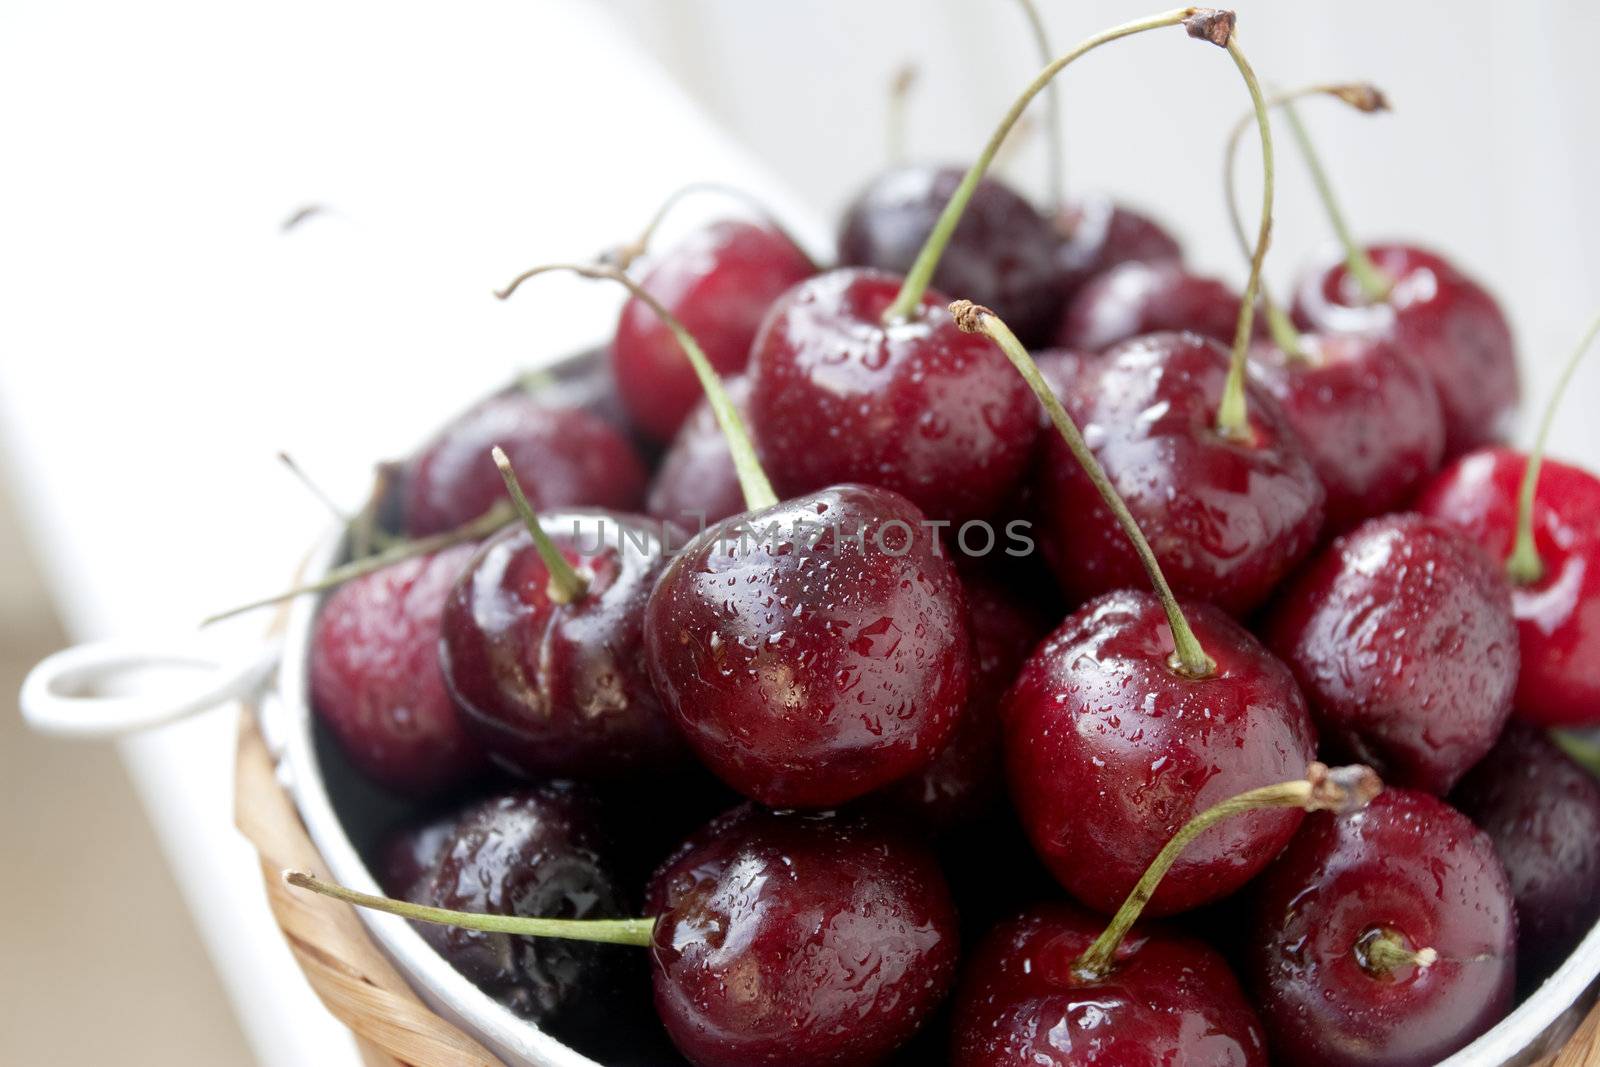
<point>59,695</point>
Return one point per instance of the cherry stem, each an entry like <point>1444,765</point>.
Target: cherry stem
<point>1375,285</point>
<point>313,488</point>
<point>1189,658</point>
<point>1055,154</point>
<point>1200,22</point>
<point>490,521</point>
<point>622,257</point>
<point>1233,418</point>
<point>758,492</point>
<point>900,85</point>
<point>1337,789</point>
<point>566,584</point>
<point>1360,96</point>
<point>1381,952</point>
<point>1582,750</point>
<point>605,931</point>
<point>1523,566</point>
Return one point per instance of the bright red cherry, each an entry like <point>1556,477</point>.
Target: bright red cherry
<point>1558,615</point>
<point>1099,234</point>
<point>1003,252</point>
<point>1171,1000</point>
<point>566,457</point>
<point>1139,297</point>
<point>1401,634</point>
<point>1386,938</point>
<point>719,281</point>
<point>375,677</point>
<point>807,668</point>
<point>1227,519</point>
<point>696,483</point>
<point>1439,317</point>
<point>918,407</point>
<point>1542,811</point>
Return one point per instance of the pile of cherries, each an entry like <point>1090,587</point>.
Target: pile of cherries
<point>862,693</point>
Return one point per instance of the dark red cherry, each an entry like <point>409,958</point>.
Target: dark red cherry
<point>719,281</point>
<point>375,678</point>
<point>1171,1000</point>
<point>1401,634</point>
<point>1002,254</point>
<point>1110,750</point>
<point>1227,520</point>
<point>806,668</point>
<point>1558,617</point>
<point>920,408</point>
<point>565,457</point>
<point>808,940</point>
<point>1367,415</point>
<point>1099,234</point>
<point>1439,317</point>
<point>1542,811</point>
<point>696,484</point>
<point>411,853</point>
<point>561,689</point>
<point>1385,938</point>
<point>1136,298</point>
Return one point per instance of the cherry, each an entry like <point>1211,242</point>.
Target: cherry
<point>1099,234</point>
<point>1401,634</point>
<point>567,457</point>
<point>1139,297</point>
<point>696,482</point>
<point>375,678</point>
<point>411,853</point>
<point>805,667</point>
<point>1386,937</point>
<point>1542,811</point>
<point>719,281</point>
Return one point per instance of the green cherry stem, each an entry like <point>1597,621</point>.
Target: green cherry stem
<point>622,257</point>
<point>1336,789</point>
<point>1055,154</point>
<point>1582,749</point>
<point>1375,285</point>
<point>1206,23</point>
<point>1523,566</point>
<point>1188,657</point>
<point>758,492</point>
<point>566,584</point>
<point>605,931</point>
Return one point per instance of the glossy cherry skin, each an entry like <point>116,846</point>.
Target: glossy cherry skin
<point>1542,811</point>
<point>536,852</point>
<point>1099,234</point>
<point>1109,751</point>
<point>1367,415</point>
<point>696,485</point>
<point>555,689</point>
<point>935,414</point>
<point>564,457</point>
<point>1227,520</point>
<point>1439,317</point>
<point>799,940</point>
<point>375,677</point>
<point>1401,635</point>
<point>1133,299</point>
<point>804,670</point>
<point>1409,866</point>
<point>719,281</point>
<point>1002,254</point>
<point>1558,617</point>
<point>1171,1000</point>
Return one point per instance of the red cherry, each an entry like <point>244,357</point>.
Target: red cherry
<point>375,677</point>
<point>805,940</point>
<point>719,281</point>
<point>566,457</point>
<point>561,689</point>
<point>1437,316</point>
<point>1171,1000</point>
<point>1401,634</point>
<point>1138,298</point>
<point>1100,234</point>
<point>1542,811</point>
<point>804,669</point>
<point>1558,616</point>
<point>919,407</point>
<point>1002,253</point>
<point>1110,750</point>
<point>696,482</point>
<point>1385,938</point>
<point>1226,519</point>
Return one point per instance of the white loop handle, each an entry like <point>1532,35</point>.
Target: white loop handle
<point>64,694</point>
